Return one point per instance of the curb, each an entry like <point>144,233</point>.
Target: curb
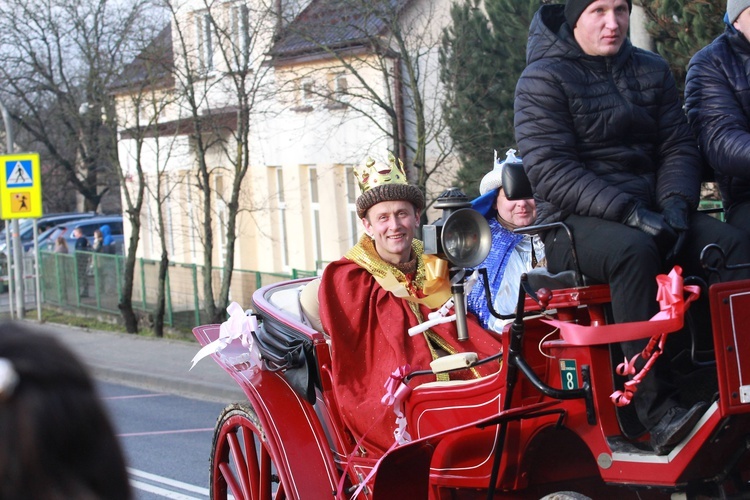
<point>194,389</point>
<point>161,365</point>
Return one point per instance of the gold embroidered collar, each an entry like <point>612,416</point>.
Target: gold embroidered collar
<point>365,255</point>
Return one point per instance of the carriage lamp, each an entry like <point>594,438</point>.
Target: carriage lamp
<point>462,236</point>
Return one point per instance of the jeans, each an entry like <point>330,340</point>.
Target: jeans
<point>629,260</point>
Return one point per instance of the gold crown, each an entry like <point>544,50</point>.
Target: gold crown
<point>373,174</point>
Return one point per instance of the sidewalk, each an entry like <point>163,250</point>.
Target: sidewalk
<point>155,364</point>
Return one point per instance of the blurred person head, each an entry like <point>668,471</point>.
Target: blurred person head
<point>56,439</point>
<point>61,246</point>
<point>106,233</point>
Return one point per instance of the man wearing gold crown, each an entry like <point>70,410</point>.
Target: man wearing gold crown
<point>375,293</point>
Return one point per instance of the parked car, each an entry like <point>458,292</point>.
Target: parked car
<point>43,238</point>
<point>87,226</point>
<point>43,223</point>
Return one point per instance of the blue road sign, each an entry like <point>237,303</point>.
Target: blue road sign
<point>18,173</point>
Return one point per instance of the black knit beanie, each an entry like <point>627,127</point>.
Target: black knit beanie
<point>574,9</point>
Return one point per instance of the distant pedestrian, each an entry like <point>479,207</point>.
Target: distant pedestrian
<point>82,248</point>
<point>82,243</point>
<point>98,240</point>
<point>56,439</point>
<point>61,246</point>
<point>108,242</point>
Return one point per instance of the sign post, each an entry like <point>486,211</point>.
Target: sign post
<point>20,198</point>
<point>20,186</point>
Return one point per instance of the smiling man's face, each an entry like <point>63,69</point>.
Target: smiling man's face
<point>392,225</point>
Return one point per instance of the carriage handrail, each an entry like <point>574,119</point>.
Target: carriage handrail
<point>721,264</point>
<point>574,255</point>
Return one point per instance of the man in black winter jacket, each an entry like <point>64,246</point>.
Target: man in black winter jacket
<point>717,98</point>
<point>609,152</point>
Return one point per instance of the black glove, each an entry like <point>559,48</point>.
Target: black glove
<point>654,224</point>
<point>677,213</point>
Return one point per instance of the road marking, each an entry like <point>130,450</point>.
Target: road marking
<point>156,433</point>
<point>135,396</point>
<point>167,481</point>
<point>161,491</point>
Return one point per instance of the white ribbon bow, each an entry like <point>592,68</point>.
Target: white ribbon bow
<point>238,326</point>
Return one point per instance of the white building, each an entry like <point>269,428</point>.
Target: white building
<point>319,78</point>
<point>312,83</point>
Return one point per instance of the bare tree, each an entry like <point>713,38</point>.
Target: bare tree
<point>221,77</point>
<point>387,54</point>
<point>60,57</point>
<point>145,90</point>
<point>161,190</point>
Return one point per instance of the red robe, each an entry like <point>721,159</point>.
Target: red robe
<point>369,326</point>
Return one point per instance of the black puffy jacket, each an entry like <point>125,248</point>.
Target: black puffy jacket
<point>717,98</point>
<point>598,134</point>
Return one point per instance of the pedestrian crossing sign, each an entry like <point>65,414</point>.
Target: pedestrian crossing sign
<point>20,186</point>
<point>19,174</point>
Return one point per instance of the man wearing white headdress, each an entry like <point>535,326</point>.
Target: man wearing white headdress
<point>511,254</point>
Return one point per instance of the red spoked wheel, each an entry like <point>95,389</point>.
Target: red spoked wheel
<point>241,463</point>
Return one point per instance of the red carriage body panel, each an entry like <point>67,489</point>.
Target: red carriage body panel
<point>730,307</point>
<point>550,444</point>
<point>294,432</point>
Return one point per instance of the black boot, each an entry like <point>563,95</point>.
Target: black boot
<point>674,426</point>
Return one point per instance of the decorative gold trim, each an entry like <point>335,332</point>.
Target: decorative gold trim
<point>393,279</point>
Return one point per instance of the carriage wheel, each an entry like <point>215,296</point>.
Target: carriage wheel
<point>241,463</point>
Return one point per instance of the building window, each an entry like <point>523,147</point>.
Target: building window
<point>306,91</point>
<point>204,36</point>
<point>315,209</point>
<point>351,207</point>
<point>142,111</point>
<point>239,19</point>
<point>339,90</point>
<point>282,217</point>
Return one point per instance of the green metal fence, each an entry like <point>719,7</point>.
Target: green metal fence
<point>93,281</point>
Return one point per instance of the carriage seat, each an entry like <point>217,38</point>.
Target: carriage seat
<point>300,303</point>
<point>308,300</point>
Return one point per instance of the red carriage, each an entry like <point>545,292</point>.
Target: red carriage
<point>544,423</point>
